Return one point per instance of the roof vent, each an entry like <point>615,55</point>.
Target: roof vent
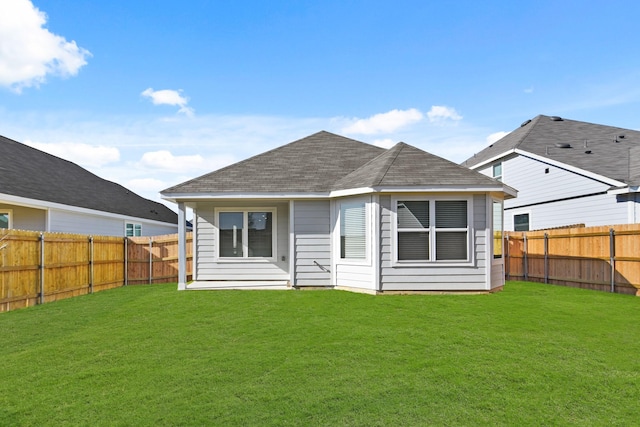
<point>621,136</point>
<point>525,123</point>
<point>556,118</point>
<point>562,145</point>
<point>588,152</point>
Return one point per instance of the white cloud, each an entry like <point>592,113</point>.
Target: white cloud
<point>496,136</point>
<point>384,122</point>
<point>529,90</point>
<point>141,185</point>
<point>29,52</point>
<point>169,97</point>
<point>384,143</point>
<point>440,113</point>
<point>164,160</point>
<point>82,154</point>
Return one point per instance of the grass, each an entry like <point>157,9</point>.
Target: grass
<point>149,355</point>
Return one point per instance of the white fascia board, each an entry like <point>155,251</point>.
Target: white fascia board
<point>624,190</point>
<point>195,197</point>
<point>493,159</point>
<point>576,170</point>
<point>352,192</point>
<point>451,189</point>
<point>42,204</point>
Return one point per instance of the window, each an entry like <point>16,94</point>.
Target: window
<point>521,222</point>
<point>497,171</point>
<point>133,230</point>
<point>353,230</point>
<point>5,219</point>
<point>497,229</point>
<point>432,230</point>
<point>246,233</point>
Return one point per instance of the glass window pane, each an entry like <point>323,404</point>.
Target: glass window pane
<point>451,214</point>
<point>260,234</point>
<point>413,246</point>
<point>230,225</point>
<point>497,171</point>
<point>413,214</point>
<point>4,220</point>
<point>129,230</point>
<point>451,245</point>
<point>137,230</point>
<point>353,231</point>
<point>521,222</point>
<point>497,229</point>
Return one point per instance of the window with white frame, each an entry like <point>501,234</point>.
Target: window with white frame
<point>432,230</point>
<point>497,171</point>
<point>133,229</point>
<point>5,218</point>
<point>246,233</point>
<point>353,230</point>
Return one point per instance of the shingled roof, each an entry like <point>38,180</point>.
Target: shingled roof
<point>600,149</point>
<point>34,174</point>
<point>325,162</point>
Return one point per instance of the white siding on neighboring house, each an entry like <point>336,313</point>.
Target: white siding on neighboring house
<point>209,268</point>
<point>312,240</point>
<point>431,276</point>
<point>555,197</point>
<point>81,223</point>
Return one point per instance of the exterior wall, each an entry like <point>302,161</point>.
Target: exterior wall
<point>355,274</point>
<point>208,268</point>
<point>72,222</point>
<point>432,277</point>
<point>312,240</point>
<point>24,218</point>
<point>537,187</point>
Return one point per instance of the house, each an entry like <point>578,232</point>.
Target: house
<point>329,211</point>
<point>567,172</point>
<point>42,192</point>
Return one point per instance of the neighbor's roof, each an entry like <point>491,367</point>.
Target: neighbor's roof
<point>600,149</point>
<point>33,174</point>
<point>325,162</point>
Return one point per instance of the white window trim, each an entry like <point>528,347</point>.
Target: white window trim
<point>245,235</point>
<point>9,213</point>
<point>366,261</point>
<point>134,228</point>
<point>432,232</point>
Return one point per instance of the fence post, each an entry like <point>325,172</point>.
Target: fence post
<point>546,258</point>
<point>41,268</point>
<point>150,260</point>
<point>126,261</point>
<point>507,261</point>
<point>525,261</point>
<point>90,264</point>
<point>612,258</point>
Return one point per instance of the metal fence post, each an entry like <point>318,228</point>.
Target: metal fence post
<point>150,260</point>
<point>546,258</point>
<point>126,261</point>
<point>612,258</point>
<point>507,262</point>
<point>41,268</point>
<point>525,261</point>
<point>90,264</point>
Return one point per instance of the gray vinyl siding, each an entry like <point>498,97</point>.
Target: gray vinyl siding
<point>80,223</point>
<point>497,274</point>
<point>24,218</point>
<point>432,277</point>
<point>207,267</point>
<point>312,234</point>
<point>535,187</point>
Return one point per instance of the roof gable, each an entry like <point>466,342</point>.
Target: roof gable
<point>599,149</point>
<point>34,174</point>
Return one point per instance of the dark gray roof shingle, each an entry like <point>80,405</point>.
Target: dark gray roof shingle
<point>599,149</point>
<point>324,162</point>
<point>33,174</point>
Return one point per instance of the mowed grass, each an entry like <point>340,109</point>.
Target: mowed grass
<point>149,355</point>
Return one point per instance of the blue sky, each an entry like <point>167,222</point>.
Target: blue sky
<point>151,93</point>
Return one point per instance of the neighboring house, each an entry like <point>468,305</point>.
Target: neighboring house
<point>567,172</point>
<point>329,211</point>
<point>42,192</point>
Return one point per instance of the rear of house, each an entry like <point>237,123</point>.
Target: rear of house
<point>329,211</point>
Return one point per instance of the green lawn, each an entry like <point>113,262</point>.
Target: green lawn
<point>149,355</point>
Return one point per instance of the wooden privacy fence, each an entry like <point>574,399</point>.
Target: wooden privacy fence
<point>602,258</point>
<point>41,267</point>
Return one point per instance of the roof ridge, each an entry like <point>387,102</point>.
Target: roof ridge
<point>528,131</point>
<point>400,146</point>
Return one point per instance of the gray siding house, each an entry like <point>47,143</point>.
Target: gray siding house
<point>329,211</point>
<point>41,192</point>
<point>567,172</point>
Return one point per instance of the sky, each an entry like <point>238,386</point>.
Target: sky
<point>150,94</point>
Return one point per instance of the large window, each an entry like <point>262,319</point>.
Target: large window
<point>133,230</point>
<point>5,219</point>
<point>432,230</point>
<point>246,233</point>
<point>353,230</point>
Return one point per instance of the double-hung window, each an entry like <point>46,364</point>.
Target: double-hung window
<point>246,233</point>
<point>353,230</point>
<point>432,230</point>
<point>133,230</point>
